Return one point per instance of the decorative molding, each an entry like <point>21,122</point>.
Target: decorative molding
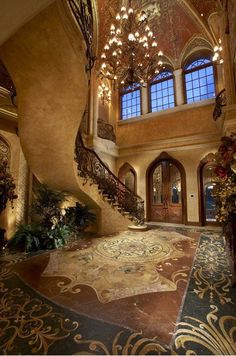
<point>160,114</point>
<point>182,142</point>
<point>9,114</point>
<point>195,44</point>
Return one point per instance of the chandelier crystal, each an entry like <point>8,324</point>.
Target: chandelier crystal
<point>130,54</point>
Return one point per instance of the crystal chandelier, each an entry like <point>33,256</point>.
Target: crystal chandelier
<point>130,54</point>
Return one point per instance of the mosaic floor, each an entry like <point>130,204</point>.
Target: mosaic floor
<point>120,295</point>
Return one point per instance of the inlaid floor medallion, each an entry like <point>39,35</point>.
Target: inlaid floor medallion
<point>120,266</point>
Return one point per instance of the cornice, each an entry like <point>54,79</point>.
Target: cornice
<point>7,114</point>
<point>160,114</point>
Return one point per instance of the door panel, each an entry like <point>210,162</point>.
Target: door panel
<point>166,193</point>
<point>209,204</point>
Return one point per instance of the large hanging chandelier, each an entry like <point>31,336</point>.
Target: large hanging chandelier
<point>130,54</point>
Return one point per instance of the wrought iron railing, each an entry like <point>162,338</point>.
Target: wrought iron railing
<point>7,83</point>
<point>106,130</point>
<point>91,167</point>
<point>220,102</point>
<point>83,14</point>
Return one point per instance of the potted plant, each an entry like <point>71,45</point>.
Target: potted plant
<point>7,191</point>
<point>225,188</point>
<point>225,195</point>
<point>79,217</point>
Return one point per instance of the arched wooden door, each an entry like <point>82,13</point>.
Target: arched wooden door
<point>166,192</point>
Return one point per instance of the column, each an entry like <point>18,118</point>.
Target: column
<point>144,100</point>
<point>179,87</point>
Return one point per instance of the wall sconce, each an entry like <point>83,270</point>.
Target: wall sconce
<point>104,93</point>
<point>217,53</point>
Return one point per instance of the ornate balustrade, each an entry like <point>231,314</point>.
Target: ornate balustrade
<point>106,130</point>
<point>91,167</point>
<point>220,102</point>
<point>83,14</point>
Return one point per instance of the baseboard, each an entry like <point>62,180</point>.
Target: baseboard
<point>193,223</point>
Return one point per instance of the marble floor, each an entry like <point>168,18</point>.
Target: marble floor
<point>130,293</point>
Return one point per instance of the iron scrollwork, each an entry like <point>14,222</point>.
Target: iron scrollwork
<point>220,102</point>
<point>83,14</point>
<point>91,167</point>
<point>106,130</point>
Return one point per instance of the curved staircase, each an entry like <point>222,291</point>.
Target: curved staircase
<point>47,61</point>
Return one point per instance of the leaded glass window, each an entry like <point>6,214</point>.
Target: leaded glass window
<point>162,95</point>
<point>130,102</point>
<point>199,80</point>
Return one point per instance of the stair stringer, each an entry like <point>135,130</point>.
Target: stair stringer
<point>110,219</point>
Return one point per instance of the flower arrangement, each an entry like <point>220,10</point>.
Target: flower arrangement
<point>7,185</point>
<point>225,188</point>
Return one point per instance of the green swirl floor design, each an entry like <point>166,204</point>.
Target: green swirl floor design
<point>32,324</point>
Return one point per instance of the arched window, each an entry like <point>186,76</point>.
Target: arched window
<point>199,80</point>
<point>162,91</point>
<point>130,101</point>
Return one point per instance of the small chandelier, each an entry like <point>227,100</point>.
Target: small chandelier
<point>104,93</point>
<point>218,53</point>
<point>130,54</point>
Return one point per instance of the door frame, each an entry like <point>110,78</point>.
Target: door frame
<point>208,159</point>
<point>126,167</point>
<point>164,156</point>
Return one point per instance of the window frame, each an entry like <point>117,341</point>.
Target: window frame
<point>124,91</point>
<point>150,83</point>
<point>187,71</point>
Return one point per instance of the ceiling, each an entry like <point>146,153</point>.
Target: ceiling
<point>179,25</point>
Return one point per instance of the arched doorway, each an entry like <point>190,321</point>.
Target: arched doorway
<point>127,175</point>
<point>207,177</point>
<point>166,186</point>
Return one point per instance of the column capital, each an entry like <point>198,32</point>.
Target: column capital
<point>178,72</point>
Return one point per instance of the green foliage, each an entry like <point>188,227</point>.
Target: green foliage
<point>35,237</point>
<point>52,229</point>
<point>225,189</point>
<point>47,205</point>
<point>79,217</point>
<point>28,238</point>
<point>57,237</point>
<point>7,185</point>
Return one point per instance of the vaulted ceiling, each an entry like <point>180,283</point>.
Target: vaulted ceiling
<point>179,25</point>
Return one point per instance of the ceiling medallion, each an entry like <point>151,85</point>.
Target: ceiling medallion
<point>131,53</point>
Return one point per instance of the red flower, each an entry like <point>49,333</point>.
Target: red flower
<point>221,172</point>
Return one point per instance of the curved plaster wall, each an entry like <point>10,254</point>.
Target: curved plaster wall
<point>46,61</point>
